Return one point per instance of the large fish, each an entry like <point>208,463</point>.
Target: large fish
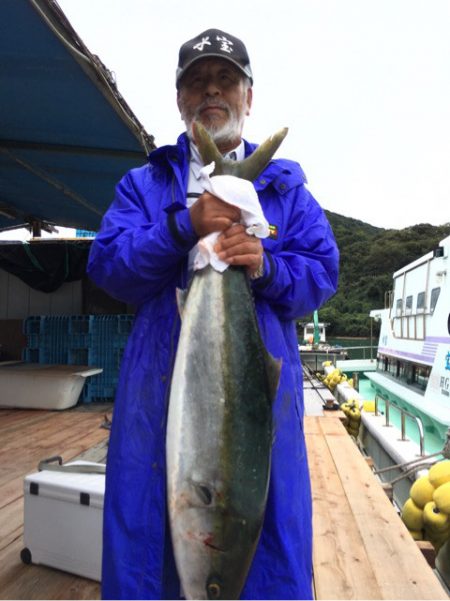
<point>219,431</point>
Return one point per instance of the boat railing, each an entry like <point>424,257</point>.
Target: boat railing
<point>403,415</point>
<point>369,350</point>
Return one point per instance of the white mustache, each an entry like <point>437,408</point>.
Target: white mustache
<point>212,102</point>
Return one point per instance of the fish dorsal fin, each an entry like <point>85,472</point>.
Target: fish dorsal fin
<point>250,167</point>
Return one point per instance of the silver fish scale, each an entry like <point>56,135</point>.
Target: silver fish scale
<point>219,436</point>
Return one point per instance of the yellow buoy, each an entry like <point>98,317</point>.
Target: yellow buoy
<point>439,473</point>
<point>369,406</point>
<point>421,491</point>
<point>434,519</point>
<point>354,413</point>
<point>412,515</point>
<point>441,497</point>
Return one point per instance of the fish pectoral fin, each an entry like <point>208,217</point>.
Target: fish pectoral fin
<point>273,372</point>
<point>181,296</point>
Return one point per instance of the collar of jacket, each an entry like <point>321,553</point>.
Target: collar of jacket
<point>283,174</point>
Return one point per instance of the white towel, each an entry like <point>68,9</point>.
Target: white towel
<point>240,193</point>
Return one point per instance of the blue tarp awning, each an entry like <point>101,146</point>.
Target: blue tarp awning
<point>66,133</point>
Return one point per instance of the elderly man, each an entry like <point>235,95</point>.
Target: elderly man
<point>142,253</point>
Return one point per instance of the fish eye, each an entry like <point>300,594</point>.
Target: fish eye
<point>203,493</point>
<point>213,590</point>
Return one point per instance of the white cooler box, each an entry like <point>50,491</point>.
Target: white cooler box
<point>63,520</point>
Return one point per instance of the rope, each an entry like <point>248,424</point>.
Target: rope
<point>423,459</point>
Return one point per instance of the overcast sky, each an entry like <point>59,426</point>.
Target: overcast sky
<point>364,87</point>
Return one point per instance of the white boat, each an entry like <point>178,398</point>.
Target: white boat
<point>413,360</point>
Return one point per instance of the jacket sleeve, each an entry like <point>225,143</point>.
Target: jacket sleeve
<point>139,248</point>
<point>301,276</point>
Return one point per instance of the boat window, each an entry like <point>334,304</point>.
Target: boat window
<point>421,375</point>
<point>408,305</point>
<point>434,298</point>
<point>405,371</point>
<point>393,366</point>
<point>398,308</point>
<point>382,363</point>
<point>420,302</point>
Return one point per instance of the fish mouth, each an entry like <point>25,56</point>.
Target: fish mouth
<point>207,541</point>
<point>210,545</point>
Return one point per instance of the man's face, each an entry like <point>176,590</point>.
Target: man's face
<point>215,93</point>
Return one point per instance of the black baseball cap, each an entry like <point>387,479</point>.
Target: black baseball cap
<point>215,43</point>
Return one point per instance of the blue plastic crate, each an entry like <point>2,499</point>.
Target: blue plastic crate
<point>79,324</point>
<point>32,325</point>
<point>85,234</point>
<point>95,340</point>
<point>78,356</point>
<point>31,355</point>
<point>97,393</point>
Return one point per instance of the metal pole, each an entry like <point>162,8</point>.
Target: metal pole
<point>386,409</point>
<point>371,338</point>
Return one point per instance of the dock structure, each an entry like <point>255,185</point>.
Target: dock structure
<point>362,550</point>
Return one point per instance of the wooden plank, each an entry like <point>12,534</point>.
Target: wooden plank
<point>334,427</point>
<point>20,581</point>
<point>342,569</point>
<point>400,569</point>
<point>69,434</point>
<point>48,441</point>
<point>11,486</point>
<point>334,414</point>
<point>14,419</point>
<point>11,522</point>
<point>311,425</point>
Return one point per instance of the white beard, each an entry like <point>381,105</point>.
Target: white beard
<point>222,134</point>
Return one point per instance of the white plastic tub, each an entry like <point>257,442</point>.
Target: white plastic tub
<point>38,386</point>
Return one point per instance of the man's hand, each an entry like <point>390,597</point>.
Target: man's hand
<point>210,214</point>
<point>236,247</point>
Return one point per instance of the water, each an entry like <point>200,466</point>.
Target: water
<point>355,347</point>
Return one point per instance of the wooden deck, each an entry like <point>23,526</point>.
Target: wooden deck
<point>27,437</point>
<point>361,548</point>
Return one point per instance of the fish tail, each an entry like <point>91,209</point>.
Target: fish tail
<point>253,165</point>
<point>207,147</point>
<point>250,167</point>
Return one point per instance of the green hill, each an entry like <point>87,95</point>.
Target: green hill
<point>369,256</point>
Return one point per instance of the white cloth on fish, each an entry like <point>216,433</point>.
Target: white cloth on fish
<point>195,186</point>
<point>240,193</point>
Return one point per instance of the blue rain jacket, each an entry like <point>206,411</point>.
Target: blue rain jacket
<point>140,256</point>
